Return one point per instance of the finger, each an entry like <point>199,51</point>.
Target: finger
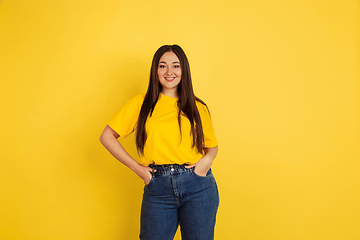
<point>150,169</point>
<point>190,166</point>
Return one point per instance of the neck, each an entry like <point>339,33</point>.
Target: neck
<point>170,93</point>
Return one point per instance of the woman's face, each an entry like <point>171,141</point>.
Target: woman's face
<point>169,73</point>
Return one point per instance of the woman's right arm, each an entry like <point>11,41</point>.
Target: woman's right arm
<point>109,138</point>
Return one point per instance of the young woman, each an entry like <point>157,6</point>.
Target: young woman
<point>177,146</point>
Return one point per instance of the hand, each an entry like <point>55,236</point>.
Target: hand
<point>145,173</point>
<point>202,166</point>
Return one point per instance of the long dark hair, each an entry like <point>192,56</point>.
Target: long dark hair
<point>186,102</point>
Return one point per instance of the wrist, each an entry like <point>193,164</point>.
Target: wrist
<point>136,167</point>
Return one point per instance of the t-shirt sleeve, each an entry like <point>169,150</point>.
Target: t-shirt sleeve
<point>125,120</point>
<point>209,135</point>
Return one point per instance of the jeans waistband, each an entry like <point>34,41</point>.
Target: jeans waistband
<point>167,169</point>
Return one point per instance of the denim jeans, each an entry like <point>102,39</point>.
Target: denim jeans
<point>176,195</point>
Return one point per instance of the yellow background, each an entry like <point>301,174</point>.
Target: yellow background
<point>281,79</point>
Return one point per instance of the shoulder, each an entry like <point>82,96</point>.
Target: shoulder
<point>201,106</point>
<point>134,103</point>
<point>137,99</point>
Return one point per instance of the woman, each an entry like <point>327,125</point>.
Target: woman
<point>176,144</point>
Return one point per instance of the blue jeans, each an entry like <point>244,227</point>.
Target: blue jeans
<point>176,195</point>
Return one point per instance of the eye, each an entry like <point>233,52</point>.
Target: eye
<point>176,66</point>
<point>161,66</point>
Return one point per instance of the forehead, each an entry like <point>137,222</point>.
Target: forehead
<point>169,57</point>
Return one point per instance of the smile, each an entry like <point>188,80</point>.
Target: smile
<point>169,79</point>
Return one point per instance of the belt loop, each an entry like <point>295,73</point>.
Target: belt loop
<point>152,171</point>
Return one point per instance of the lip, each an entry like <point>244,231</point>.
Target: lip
<point>169,79</point>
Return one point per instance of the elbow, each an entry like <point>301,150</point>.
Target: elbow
<point>107,135</point>
<point>102,139</point>
<point>105,138</point>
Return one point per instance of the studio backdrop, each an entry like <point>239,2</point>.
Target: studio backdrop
<point>281,79</point>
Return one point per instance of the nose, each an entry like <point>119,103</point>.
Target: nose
<point>169,71</point>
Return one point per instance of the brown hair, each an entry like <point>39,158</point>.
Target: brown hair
<point>186,102</point>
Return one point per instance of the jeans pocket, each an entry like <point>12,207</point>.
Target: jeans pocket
<point>151,180</point>
<point>208,174</point>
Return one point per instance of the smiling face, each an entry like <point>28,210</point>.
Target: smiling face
<point>169,73</point>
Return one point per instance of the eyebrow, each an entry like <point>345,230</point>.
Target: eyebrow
<point>165,62</point>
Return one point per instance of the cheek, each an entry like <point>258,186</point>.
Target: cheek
<point>162,71</point>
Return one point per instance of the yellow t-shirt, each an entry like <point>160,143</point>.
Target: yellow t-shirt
<point>164,145</point>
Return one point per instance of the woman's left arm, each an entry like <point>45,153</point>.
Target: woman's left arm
<point>204,164</point>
